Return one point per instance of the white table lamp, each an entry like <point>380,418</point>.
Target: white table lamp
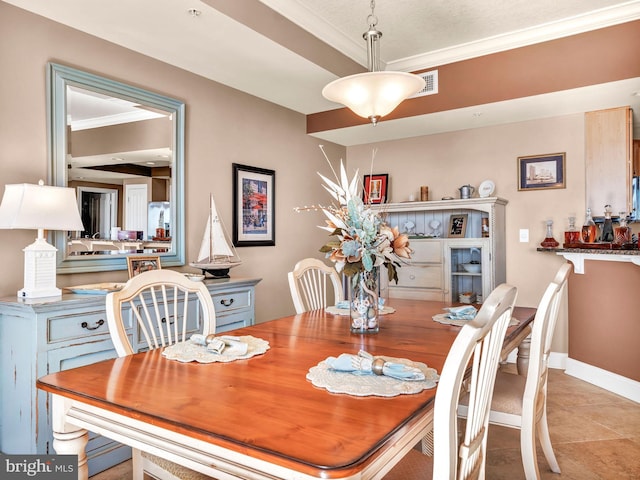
<point>39,207</point>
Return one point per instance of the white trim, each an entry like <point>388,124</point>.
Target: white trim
<point>604,17</point>
<point>597,19</point>
<point>612,382</point>
<point>556,359</point>
<point>578,258</point>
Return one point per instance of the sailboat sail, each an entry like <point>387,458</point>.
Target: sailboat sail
<point>216,256</point>
<point>213,242</point>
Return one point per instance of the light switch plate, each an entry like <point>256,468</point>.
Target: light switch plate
<point>524,235</point>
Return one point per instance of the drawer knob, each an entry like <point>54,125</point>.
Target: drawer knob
<point>226,303</point>
<point>412,277</point>
<point>98,324</point>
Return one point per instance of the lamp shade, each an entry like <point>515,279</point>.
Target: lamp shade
<point>373,94</point>
<point>35,207</point>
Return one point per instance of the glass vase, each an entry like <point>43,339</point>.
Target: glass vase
<point>363,301</point>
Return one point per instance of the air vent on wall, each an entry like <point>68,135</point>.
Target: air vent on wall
<point>431,83</point>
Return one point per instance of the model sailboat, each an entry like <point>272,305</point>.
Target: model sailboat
<point>216,256</point>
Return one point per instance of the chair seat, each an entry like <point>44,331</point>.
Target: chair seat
<point>174,469</point>
<point>508,393</point>
<point>414,464</point>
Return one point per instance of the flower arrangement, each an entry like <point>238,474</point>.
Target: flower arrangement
<point>363,241</point>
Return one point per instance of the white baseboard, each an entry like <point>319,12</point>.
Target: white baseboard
<point>613,382</point>
<point>623,386</point>
<point>556,360</point>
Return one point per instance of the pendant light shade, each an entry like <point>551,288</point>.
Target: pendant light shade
<point>376,93</point>
<point>373,94</point>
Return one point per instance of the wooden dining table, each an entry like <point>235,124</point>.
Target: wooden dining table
<point>260,418</point>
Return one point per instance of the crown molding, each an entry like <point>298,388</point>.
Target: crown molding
<point>597,19</point>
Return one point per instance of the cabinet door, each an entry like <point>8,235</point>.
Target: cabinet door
<point>608,142</point>
<point>468,270</point>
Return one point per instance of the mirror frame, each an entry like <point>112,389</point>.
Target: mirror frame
<point>58,78</point>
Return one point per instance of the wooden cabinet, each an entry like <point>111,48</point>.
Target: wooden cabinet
<point>608,160</point>
<point>43,336</point>
<point>436,270</point>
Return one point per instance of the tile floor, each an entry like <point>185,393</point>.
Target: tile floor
<point>595,434</point>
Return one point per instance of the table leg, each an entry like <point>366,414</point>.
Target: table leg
<point>522,362</point>
<point>69,439</point>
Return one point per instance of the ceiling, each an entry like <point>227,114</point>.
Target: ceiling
<point>235,43</point>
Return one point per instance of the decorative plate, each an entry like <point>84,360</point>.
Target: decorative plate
<point>486,188</point>
<point>191,352</point>
<point>371,385</point>
<point>96,288</point>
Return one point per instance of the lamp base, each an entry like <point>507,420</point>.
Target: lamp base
<point>39,270</point>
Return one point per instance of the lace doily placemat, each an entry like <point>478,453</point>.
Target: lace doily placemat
<point>371,385</point>
<point>192,352</point>
<point>345,311</point>
<point>442,318</point>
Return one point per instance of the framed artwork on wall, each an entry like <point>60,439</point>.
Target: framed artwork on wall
<point>375,188</point>
<point>254,213</point>
<point>538,172</point>
<point>137,265</point>
<point>457,225</point>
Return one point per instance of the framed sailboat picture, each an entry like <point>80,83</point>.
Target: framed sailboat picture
<point>254,216</point>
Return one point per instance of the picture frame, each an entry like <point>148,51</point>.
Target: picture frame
<point>541,172</point>
<point>254,201</point>
<point>458,225</point>
<point>375,189</point>
<point>137,265</point>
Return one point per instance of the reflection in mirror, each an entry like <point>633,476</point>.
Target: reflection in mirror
<point>121,148</point>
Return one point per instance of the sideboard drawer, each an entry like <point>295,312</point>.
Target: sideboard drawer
<point>231,301</point>
<point>419,276</point>
<point>79,325</point>
<point>426,251</point>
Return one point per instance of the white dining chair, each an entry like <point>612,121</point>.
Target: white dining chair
<point>161,304</point>
<point>311,283</point>
<point>479,342</point>
<point>521,401</point>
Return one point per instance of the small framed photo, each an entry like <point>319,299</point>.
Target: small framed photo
<point>137,265</point>
<point>254,206</point>
<point>457,225</point>
<point>538,172</point>
<point>375,188</point>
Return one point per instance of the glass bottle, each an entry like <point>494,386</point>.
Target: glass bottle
<point>549,241</point>
<point>589,229</point>
<point>622,232</point>
<point>572,235</point>
<point>607,227</point>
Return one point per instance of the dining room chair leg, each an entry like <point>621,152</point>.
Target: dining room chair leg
<point>545,442</point>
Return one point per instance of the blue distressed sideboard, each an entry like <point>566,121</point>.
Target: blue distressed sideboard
<point>42,336</point>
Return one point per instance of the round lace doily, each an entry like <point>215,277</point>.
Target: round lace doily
<point>191,352</point>
<point>442,318</point>
<point>371,385</point>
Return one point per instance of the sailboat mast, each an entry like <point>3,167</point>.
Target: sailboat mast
<point>211,254</point>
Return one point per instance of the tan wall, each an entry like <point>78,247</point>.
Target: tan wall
<point>447,161</point>
<point>222,126</point>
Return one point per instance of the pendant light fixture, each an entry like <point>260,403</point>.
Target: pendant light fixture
<point>375,93</point>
